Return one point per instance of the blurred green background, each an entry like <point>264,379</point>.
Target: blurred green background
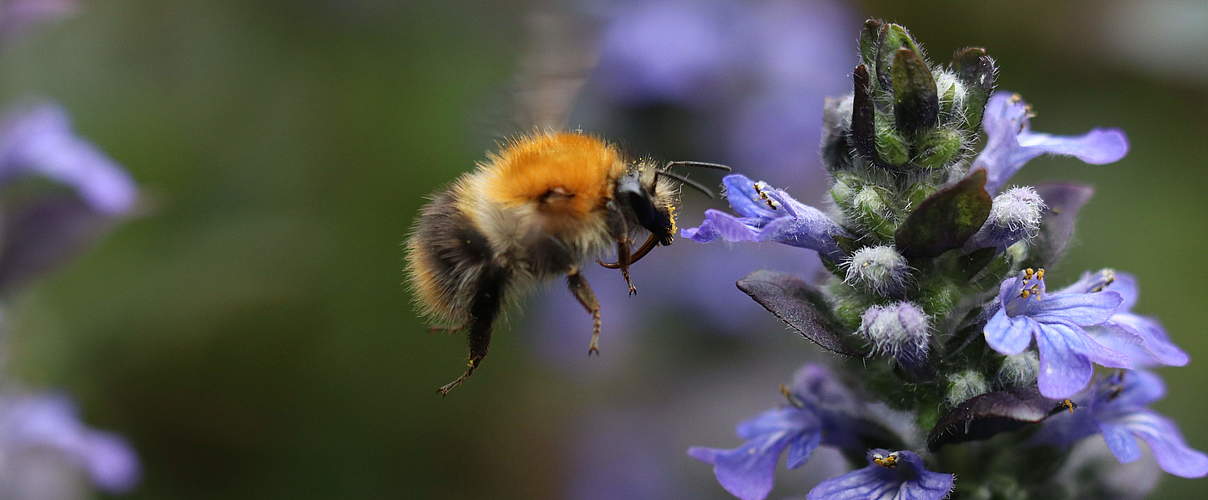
<point>250,335</point>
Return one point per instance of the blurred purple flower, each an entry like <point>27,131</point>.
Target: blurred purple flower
<point>41,231</point>
<point>899,475</point>
<point>1140,338</point>
<point>669,51</point>
<point>40,423</point>
<point>1056,321</point>
<point>768,214</point>
<point>39,141</point>
<point>18,16</point>
<point>1117,407</point>
<point>820,413</point>
<point>1010,142</point>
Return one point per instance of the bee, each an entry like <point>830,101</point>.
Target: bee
<point>537,209</point>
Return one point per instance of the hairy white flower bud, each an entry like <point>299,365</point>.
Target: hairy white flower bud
<point>880,269</point>
<point>899,330</point>
<point>1019,370</point>
<point>965,385</point>
<point>1015,215</point>
<point>951,90</point>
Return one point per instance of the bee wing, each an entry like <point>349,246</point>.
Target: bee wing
<point>558,52</point>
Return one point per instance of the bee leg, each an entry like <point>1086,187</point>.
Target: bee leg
<point>483,310</point>
<point>578,286</point>
<point>623,262</point>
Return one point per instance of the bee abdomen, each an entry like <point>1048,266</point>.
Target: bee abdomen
<point>451,266</point>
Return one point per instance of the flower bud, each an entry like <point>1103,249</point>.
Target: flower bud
<point>899,330</point>
<point>879,269</point>
<point>951,91</point>
<point>1019,370</point>
<point>1015,215</point>
<point>965,385</point>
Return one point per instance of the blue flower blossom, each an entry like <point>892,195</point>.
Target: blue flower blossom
<point>768,214</point>
<point>1056,321</point>
<point>1010,142</point>
<point>821,414</point>
<point>39,423</point>
<point>897,475</point>
<point>1116,407</point>
<point>1141,339</point>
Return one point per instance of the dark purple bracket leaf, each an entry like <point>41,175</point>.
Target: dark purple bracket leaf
<point>43,234</point>
<point>984,416</point>
<point>946,219</point>
<point>1064,202</point>
<point>863,115</point>
<point>796,303</point>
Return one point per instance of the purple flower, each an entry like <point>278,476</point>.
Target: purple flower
<point>1010,142</point>
<point>1141,339</point>
<point>39,141</point>
<point>1116,407</point>
<point>44,230</point>
<point>1015,215</point>
<point>1056,321</point>
<point>668,50</point>
<point>821,413</point>
<point>768,214</point>
<point>33,424</point>
<point>18,16</point>
<point>899,475</point>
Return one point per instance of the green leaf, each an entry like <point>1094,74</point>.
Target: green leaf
<point>979,74</point>
<point>916,102</point>
<point>870,41</point>
<point>946,219</point>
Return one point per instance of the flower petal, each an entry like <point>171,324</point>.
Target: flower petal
<point>909,480</point>
<point>747,471</point>
<point>1150,346</point>
<point>801,449</point>
<point>1063,371</point>
<point>861,484</point>
<point>1120,441</point>
<point>1009,335</point>
<point>1080,342</point>
<point>1166,443</point>
<point>40,140</point>
<point>740,192</point>
<point>718,224</point>
<point>1084,309</point>
<point>810,229</point>
<point>1010,143</point>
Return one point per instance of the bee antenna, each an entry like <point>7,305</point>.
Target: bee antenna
<point>700,164</point>
<point>686,181</point>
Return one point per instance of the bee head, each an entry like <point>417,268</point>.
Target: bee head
<point>638,195</point>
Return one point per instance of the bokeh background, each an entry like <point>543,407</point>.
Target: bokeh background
<point>249,333</point>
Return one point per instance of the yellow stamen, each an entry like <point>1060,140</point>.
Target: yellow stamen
<point>1040,274</point>
<point>792,398</point>
<point>1068,404</point>
<point>1025,293</point>
<point>888,462</point>
<point>1027,273</point>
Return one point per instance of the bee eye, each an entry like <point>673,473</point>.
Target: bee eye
<point>634,198</point>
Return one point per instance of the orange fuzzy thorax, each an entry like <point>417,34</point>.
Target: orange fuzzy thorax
<point>566,174</point>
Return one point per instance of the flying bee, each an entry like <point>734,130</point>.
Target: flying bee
<point>539,208</point>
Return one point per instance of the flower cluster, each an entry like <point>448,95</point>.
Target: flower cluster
<point>939,294</point>
<point>44,446</point>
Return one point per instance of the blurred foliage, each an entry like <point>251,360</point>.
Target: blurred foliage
<point>250,333</point>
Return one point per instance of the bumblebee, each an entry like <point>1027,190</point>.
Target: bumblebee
<point>539,208</point>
